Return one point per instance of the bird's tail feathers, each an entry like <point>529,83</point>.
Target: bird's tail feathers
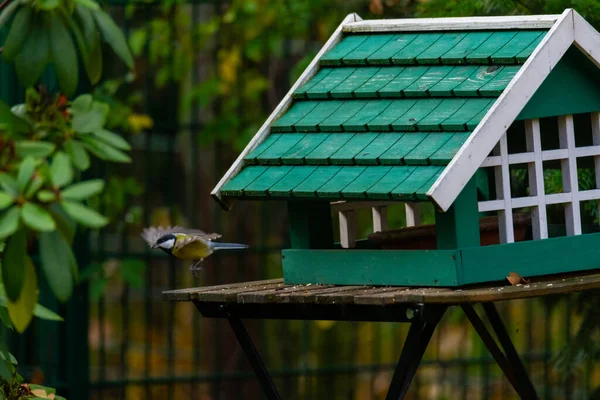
<point>227,246</point>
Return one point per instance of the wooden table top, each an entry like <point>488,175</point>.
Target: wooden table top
<point>275,291</point>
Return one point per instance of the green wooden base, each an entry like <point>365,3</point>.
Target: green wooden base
<point>442,267</point>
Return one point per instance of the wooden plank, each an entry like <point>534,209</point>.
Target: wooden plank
<point>230,295</point>
<point>311,121</point>
<point>410,52</point>
<point>320,176</point>
<point>331,81</point>
<point>509,52</point>
<point>296,112</point>
<point>360,120</point>
<point>385,53</point>
<point>474,122</point>
<point>360,75</point>
<point>372,44</point>
<point>427,148</point>
<point>454,78</point>
<point>321,154</point>
<point>310,296</point>
<point>251,158</point>
<point>411,119</point>
<point>420,88</point>
<point>334,122</point>
<point>470,87</point>
<point>272,295</point>
<point>527,51</point>
<point>496,86</point>
<point>345,155</point>
<point>406,190</point>
<point>246,176</point>
<point>421,193</point>
<point>295,177</point>
<point>483,53</point>
<point>446,42</point>
<point>382,143</point>
<point>433,121</point>
<point>458,121</point>
<point>189,294</point>
<point>333,187</point>
<point>570,182</point>
<point>371,87</point>
<point>535,175</point>
<point>269,178</point>
<point>273,154</point>
<point>383,122</point>
<point>382,188</point>
<point>300,93</point>
<point>343,297</point>
<point>344,47</point>
<point>403,80</point>
<point>304,147</point>
<point>458,53</point>
<point>370,176</point>
<point>445,153</point>
<point>395,154</point>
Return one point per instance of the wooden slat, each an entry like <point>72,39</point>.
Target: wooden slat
<point>371,87</point>
<point>191,293</point>
<point>359,187</point>
<point>527,51</point>
<point>458,121</point>
<point>503,192</point>
<point>310,296</point>
<point>272,295</point>
<point>386,52</point>
<point>321,154</point>
<point>420,88</point>
<point>402,147</point>
<point>269,178</point>
<point>483,53</point>
<point>303,148</point>
<point>458,53</point>
<point>406,190</point>
<point>403,80</point>
<point>535,174</point>
<point>269,141</point>
<point>473,122</point>
<point>382,188</point>
<point>296,112</point>
<point>358,122</point>
<point>360,75</point>
<point>447,108</point>
<point>334,78</point>
<point>335,55</point>
<point>427,148</point>
<point>273,154</point>
<point>421,43</point>
<point>345,155</point>
<point>230,295</point>
<point>496,86</point>
<point>383,122</point>
<point>410,120</point>
<point>323,110</point>
<point>246,176</point>
<point>379,145</point>
<point>334,122</point>
<point>566,136</point>
<point>421,193</point>
<point>458,75</point>
<point>373,43</point>
<point>345,297</point>
<point>295,177</point>
<point>343,178</point>
<point>319,177</point>
<point>434,53</point>
<point>301,91</point>
<point>479,78</point>
<point>509,52</point>
<point>449,149</point>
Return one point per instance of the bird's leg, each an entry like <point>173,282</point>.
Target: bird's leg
<point>195,267</point>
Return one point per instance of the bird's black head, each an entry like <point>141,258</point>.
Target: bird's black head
<point>166,243</point>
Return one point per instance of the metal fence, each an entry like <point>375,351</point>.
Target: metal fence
<point>128,344</point>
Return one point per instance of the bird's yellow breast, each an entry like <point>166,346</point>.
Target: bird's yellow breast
<point>192,250</point>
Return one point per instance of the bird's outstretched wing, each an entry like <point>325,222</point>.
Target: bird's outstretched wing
<point>152,234</point>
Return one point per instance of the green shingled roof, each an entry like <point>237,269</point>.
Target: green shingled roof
<point>383,115</point>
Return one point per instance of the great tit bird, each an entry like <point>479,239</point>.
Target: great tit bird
<point>187,244</point>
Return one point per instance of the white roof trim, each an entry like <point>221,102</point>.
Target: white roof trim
<point>467,23</point>
<point>281,108</point>
<point>570,29</point>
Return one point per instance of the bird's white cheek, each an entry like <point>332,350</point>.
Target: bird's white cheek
<point>168,244</point>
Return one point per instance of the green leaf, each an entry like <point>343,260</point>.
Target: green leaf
<point>64,224</point>
<point>43,313</point>
<point>64,55</point>
<point>9,184</point>
<point>9,222</point>
<point>8,12</point>
<point>94,64</point>
<point>82,104</point>
<point>46,196</point>
<point>5,318</point>
<point>5,200</point>
<point>37,218</point>
<point>85,19</point>
<point>25,148</point>
<point>112,139</point>
<point>48,5</point>
<point>48,390</point>
<point>7,356</point>
<point>104,151</point>
<point>13,265</point>
<point>19,31</point>
<point>21,310</point>
<point>114,37</point>
<point>61,170</point>
<point>84,215</point>
<point>83,190</point>
<point>32,58</point>
<point>56,263</point>
<point>6,370</point>
<point>26,171</point>
<point>34,186</point>
<point>92,120</point>
<point>89,4</point>
<point>78,154</point>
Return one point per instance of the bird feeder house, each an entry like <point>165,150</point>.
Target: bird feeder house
<point>446,111</point>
